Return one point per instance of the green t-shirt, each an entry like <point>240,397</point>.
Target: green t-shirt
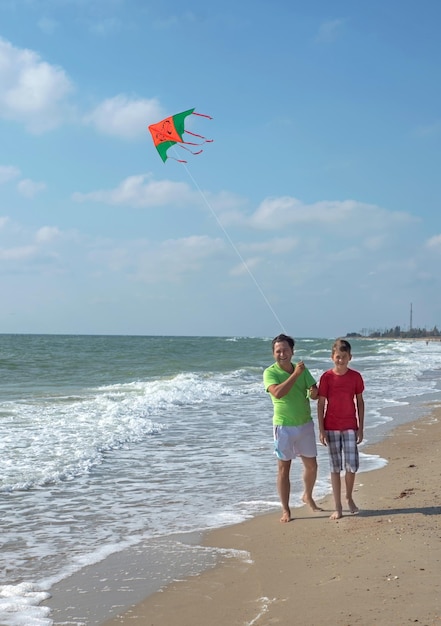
<point>294,408</point>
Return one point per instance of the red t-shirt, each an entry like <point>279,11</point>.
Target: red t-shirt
<point>340,392</point>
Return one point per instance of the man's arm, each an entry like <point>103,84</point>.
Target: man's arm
<point>281,389</point>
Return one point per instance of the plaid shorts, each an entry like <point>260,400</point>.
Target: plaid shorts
<point>342,446</point>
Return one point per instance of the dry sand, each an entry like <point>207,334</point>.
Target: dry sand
<point>380,567</point>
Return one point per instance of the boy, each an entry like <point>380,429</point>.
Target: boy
<point>291,386</point>
<point>340,413</point>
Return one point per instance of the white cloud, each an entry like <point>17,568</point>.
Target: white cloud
<point>46,234</point>
<point>8,172</point>
<point>195,248</point>
<point>227,203</point>
<point>434,242</point>
<point>173,20</point>
<point>149,262</point>
<point>124,117</point>
<point>142,192</point>
<point>29,188</point>
<point>279,213</point>
<point>329,31</point>
<point>177,257</point>
<point>375,243</point>
<point>278,245</point>
<point>26,187</point>
<point>246,266</point>
<point>429,130</point>
<point>32,91</point>
<point>47,25</point>
<point>106,26</point>
<point>45,249</point>
<point>20,253</point>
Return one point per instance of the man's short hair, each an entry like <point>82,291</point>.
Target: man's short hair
<point>289,340</point>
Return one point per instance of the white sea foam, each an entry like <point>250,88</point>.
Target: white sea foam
<point>20,605</point>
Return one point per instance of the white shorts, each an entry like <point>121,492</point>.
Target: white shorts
<point>293,441</point>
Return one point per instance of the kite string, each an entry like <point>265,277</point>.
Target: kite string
<point>235,249</point>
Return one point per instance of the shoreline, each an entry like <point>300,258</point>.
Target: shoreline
<point>380,566</point>
<point>426,338</point>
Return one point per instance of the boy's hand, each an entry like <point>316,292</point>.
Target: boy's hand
<point>359,435</point>
<point>323,439</point>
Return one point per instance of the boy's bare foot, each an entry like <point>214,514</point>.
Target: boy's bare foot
<point>352,506</point>
<point>286,517</point>
<point>311,503</point>
<point>338,514</point>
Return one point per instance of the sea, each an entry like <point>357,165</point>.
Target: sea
<point>117,454</point>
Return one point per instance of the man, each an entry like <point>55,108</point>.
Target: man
<point>291,386</point>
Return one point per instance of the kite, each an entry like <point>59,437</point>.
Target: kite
<point>169,131</point>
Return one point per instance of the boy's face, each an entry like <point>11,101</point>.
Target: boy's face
<point>341,359</point>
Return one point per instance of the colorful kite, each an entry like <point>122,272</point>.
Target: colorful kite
<point>168,132</point>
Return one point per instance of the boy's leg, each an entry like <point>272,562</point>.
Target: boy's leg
<point>336,490</point>
<point>335,447</point>
<point>351,465</point>
<point>350,480</point>
<point>284,488</point>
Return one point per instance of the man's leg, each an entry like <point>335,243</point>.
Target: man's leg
<point>309,478</point>
<point>284,488</point>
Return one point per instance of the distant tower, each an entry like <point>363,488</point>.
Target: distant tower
<point>411,322</point>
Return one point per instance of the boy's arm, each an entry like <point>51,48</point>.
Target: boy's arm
<point>360,416</point>
<point>321,419</point>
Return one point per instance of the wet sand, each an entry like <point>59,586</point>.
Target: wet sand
<point>381,566</point>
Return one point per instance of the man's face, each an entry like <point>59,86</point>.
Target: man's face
<point>282,352</point>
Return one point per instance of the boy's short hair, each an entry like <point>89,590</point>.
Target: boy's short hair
<point>289,340</point>
<point>341,345</point>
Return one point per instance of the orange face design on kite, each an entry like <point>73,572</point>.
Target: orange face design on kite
<point>167,127</point>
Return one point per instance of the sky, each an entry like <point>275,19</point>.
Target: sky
<point>315,210</point>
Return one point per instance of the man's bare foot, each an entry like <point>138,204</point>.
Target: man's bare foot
<point>286,517</point>
<point>352,506</point>
<point>311,503</point>
<point>337,514</point>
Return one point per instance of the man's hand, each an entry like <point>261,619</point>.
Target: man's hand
<point>313,392</point>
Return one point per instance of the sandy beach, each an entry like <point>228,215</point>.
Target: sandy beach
<point>381,566</point>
